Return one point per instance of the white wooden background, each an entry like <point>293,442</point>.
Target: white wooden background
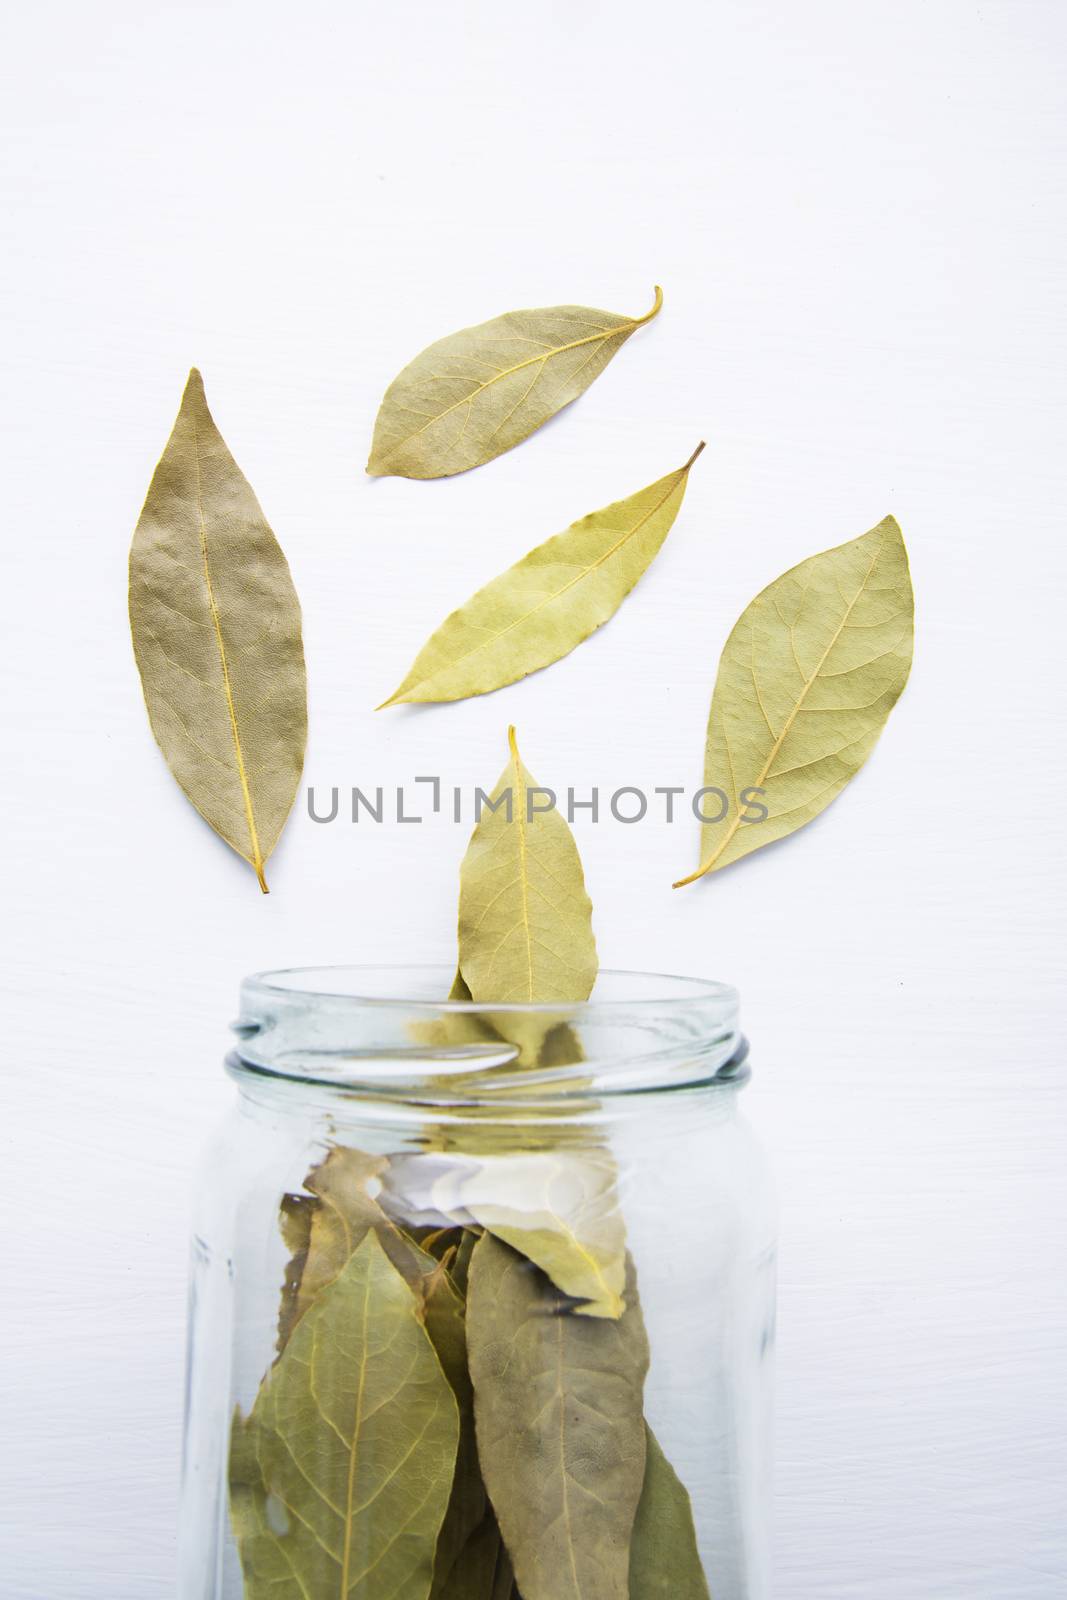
<point>856,212</point>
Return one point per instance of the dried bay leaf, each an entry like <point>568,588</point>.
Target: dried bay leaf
<point>341,1473</point>
<point>537,1040</point>
<point>806,681</point>
<point>471,396</point>
<point>521,884</point>
<point>558,1208</point>
<point>561,1438</point>
<point>546,604</point>
<point>665,1563</point>
<point>338,1218</point>
<point>339,1222</point>
<point>216,634</point>
<point>525,919</point>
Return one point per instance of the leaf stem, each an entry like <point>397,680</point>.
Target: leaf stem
<point>693,876</point>
<point>639,321</point>
<point>701,446</point>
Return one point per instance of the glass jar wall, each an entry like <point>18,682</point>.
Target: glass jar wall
<point>482,1300</point>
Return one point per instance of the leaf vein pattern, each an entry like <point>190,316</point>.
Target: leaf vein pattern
<point>564,1475</point>
<point>521,783</point>
<point>805,805</point>
<point>191,738</point>
<point>337,1510</point>
<point>405,1458</point>
<point>279,1545</point>
<point>357,1426</point>
<point>830,755</point>
<point>755,685</point>
<point>195,622</point>
<point>506,372</point>
<point>520,402</point>
<point>256,857</point>
<point>881,656</point>
<point>401,1530</point>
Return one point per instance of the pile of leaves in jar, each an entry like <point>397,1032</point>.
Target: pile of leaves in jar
<point>456,1408</point>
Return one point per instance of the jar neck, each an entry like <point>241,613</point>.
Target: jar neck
<point>500,1123</point>
<point>369,1036</point>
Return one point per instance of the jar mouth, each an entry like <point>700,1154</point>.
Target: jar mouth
<point>387,1031</point>
<point>423,986</point>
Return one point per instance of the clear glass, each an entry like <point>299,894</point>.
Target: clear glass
<point>376,1126</point>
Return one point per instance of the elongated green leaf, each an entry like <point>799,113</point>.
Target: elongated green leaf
<point>558,1403</point>
<point>341,1473</point>
<point>216,633</point>
<point>807,679</point>
<point>544,606</point>
<point>525,921</point>
<point>476,393</point>
<point>559,1208</point>
<point>539,1039</point>
<point>324,1235</point>
<point>526,933</point>
<point>664,1560</point>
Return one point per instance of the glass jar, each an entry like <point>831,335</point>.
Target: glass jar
<point>482,1300</point>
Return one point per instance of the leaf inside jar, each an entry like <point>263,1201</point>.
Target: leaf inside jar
<point>664,1560</point>
<point>561,1435</point>
<point>334,1223</point>
<point>351,1441</point>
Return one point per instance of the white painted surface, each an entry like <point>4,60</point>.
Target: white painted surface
<point>857,216</point>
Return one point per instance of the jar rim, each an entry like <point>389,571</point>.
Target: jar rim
<point>677,991</point>
<point>383,1031</point>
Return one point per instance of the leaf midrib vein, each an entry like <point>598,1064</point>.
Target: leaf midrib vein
<point>523,885</point>
<point>357,1428</point>
<point>250,817</point>
<point>564,1475</point>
